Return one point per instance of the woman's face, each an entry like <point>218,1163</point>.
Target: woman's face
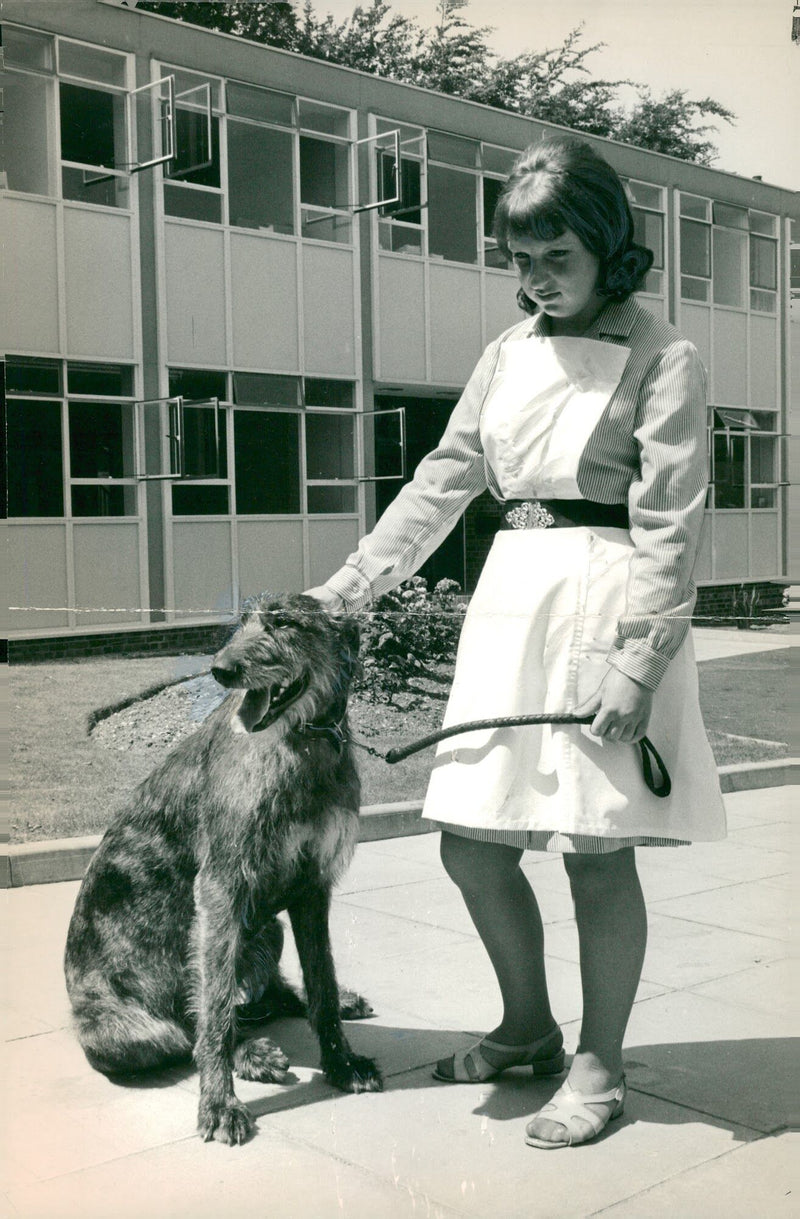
<point>560,276</point>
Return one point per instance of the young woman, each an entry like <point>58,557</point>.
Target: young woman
<point>587,421</point>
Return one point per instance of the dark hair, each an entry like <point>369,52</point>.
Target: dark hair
<point>563,184</point>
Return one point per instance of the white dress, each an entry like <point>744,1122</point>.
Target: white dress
<point>537,636</point>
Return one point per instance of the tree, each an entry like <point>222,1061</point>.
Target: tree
<point>554,85</point>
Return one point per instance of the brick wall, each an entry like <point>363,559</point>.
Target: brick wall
<point>157,641</point>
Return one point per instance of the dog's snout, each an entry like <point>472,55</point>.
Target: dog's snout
<point>227,674</point>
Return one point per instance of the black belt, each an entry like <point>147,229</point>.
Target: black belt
<point>561,514</point>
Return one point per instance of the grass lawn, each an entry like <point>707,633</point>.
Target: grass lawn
<point>65,784</point>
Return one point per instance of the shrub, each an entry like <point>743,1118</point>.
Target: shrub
<point>408,631</point>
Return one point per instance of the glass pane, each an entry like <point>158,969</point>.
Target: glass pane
<point>329,446</point>
<point>648,230</point>
<point>104,501</point>
<point>693,205</point>
<point>694,289</point>
<point>498,160</point>
<point>695,248</point>
<point>193,499</point>
<point>322,226</point>
<point>192,204</point>
<point>322,392</point>
<point>250,102</point>
<point>197,383</point>
<point>260,190</point>
<point>28,49</point>
<point>646,195</point>
<point>265,389</point>
<point>35,470</point>
<point>195,161</point>
<point>327,119</point>
<point>763,263</point>
<point>204,450</point>
<point>33,376</point>
<point>654,283</point>
<point>407,134</point>
<point>729,267</point>
<point>494,257</point>
<point>267,462</point>
<point>761,222</point>
<point>27,141</point>
<point>765,421</point>
<point>399,238</point>
<point>331,499</point>
<point>407,208</point>
<point>795,268</point>
<point>763,302</point>
<point>193,82</point>
<point>452,228</point>
<point>492,189</point>
<point>763,497</point>
<point>762,459</point>
<point>101,440</point>
<point>729,216</point>
<point>323,173</point>
<point>91,186</point>
<point>729,471</point>
<point>112,380</point>
<point>92,126</point>
<point>452,149</point>
<point>91,63</point>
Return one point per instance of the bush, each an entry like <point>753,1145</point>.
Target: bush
<point>406,634</point>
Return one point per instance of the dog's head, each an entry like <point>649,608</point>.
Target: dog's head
<point>293,658</point>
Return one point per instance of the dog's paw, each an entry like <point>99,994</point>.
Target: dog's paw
<point>261,1059</point>
<point>353,1006</point>
<point>356,1074</point>
<point>228,1122</point>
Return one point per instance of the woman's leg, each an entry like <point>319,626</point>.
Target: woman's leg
<point>503,908</point>
<point>612,934</point>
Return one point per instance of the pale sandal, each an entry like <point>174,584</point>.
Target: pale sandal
<point>470,1066</point>
<point>568,1104</point>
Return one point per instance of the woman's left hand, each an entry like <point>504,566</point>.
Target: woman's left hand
<point>621,708</point>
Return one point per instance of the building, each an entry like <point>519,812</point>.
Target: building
<point>244,288</point>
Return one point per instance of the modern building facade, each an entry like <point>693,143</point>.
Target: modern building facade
<point>243,289</point>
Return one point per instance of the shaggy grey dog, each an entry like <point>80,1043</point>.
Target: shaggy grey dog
<point>174,943</point>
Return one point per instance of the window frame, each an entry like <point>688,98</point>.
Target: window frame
<point>662,271</point>
<point>749,430</point>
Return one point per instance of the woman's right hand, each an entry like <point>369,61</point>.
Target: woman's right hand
<point>330,600</point>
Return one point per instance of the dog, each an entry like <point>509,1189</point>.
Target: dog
<point>174,943</point>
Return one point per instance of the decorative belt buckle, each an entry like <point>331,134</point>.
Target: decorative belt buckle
<point>530,514</point>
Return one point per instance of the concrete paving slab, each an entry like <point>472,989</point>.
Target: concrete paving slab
<point>371,870</point>
<point>760,1178</point>
<point>777,837</point>
<point>464,1146</point>
<point>769,988</point>
<point>747,907</point>
<point>719,1058</point>
<point>15,1023</point>
<point>714,643</point>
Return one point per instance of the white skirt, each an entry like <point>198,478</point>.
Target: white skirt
<point>536,638</point>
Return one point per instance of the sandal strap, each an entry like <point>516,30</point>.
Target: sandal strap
<point>569,1103</point>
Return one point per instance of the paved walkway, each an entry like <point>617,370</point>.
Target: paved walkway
<point>709,1058</point>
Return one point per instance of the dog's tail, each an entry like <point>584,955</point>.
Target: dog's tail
<point>120,1037</point>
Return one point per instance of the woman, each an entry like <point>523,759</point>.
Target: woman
<point>587,421</point>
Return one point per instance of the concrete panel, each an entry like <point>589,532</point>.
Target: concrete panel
<point>764,545</point>
<point>729,343</point>
<point>500,304</point>
<point>29,296</point>
<point>107,573</point>
<point>270,557</point>
<point>702,567</point>
<point>695,325</point>
<point>37,576</point>
<point>195,290</point>
<point>264,303</point>
<point>329,544</point>
<point>202,567</point>
<point>763,362</point>
<point>455,323</point>
<point>328,311</point>
<point>400,334</point>
<point>730,546</point>
<point>99,284</point>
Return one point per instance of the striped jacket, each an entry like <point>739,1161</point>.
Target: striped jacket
<point>648,449</point>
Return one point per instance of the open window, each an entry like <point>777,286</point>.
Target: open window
<point>383,433</point>
<point>179,439</point>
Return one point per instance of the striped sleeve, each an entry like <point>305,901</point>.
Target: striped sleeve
<point>666,503</point>
<point>428,507</point>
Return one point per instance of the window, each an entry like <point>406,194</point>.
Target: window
<point>744,458</point>
<point>27,141</point>
<point>763,262</point>
<point>267,462</point>
<point>400,225</point>
<point>192,184</point>
<point>727,251</point>
<point>260,194</point>
<point>93,125</point>
<point>647,209</point>
<point>73,455</point>
<point>493,256</point>
<point>452,198</point>
<point>695,236</point>
<point>795,265</point>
